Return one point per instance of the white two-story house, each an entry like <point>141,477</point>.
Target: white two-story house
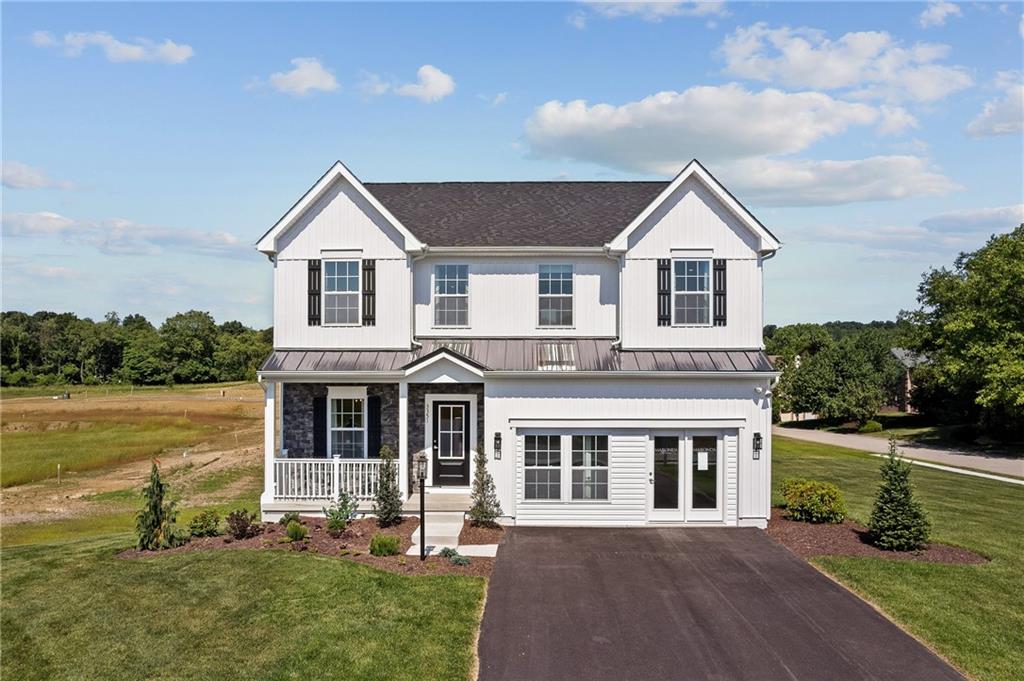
<point>600,341</point>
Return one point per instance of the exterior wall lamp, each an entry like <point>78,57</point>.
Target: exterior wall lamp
<point>758,443</point>
<point>497,446</point>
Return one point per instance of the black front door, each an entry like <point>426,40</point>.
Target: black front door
<point>451,443</point>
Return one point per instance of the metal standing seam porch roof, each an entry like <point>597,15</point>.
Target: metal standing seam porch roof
<point>523,354</point>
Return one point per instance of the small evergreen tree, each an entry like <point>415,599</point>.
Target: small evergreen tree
<point>155,522</point>
<point>387,503</point>
<point>898,523</point>
<point>486,508</point>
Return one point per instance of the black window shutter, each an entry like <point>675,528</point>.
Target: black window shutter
<point>373,426</point>
<point>314,292</point>
<point>369,292</point>
<point>664,292</point>
<point>719,293</point>
<point>320,426</point>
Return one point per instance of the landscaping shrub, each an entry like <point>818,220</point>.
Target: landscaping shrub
<point>486,508</point>
<point>813,501</point>
<point>870,426</point>
<point>206,524</point>
<point>154,524</point>
<point>453,556</point>
<point>242,524</point>
<point>296,531</point>
<point>288,518</point>
<point>384,545</point>
<point>898,523</point>
<point>341,513</point>
<point>387,503</point>
<point>448,552</point>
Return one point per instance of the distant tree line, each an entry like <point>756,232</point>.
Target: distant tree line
<point>49,348</point>
<point>968,333</point>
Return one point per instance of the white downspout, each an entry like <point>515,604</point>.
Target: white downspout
<point>620,260</point>
<point>412,295</point>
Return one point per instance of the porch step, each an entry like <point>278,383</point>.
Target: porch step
<point>442,530</point>
<point>437,501</point>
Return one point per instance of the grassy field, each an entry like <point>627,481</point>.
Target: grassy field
<point>99,431</point>
<point>76,611</point>
<point>113,389</point>
<point>973,615</point>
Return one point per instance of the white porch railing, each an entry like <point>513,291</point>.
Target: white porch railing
<point>324,479</point>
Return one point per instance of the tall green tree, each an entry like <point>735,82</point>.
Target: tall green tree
<point>970,326</point>
<point>189,342</point>
<point>897,523</point>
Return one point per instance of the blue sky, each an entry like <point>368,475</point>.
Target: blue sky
<point>147,146</point>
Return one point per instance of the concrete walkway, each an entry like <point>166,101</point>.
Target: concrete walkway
<point>947,459</point>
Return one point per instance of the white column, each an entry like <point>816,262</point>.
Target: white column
<point>403,438</point>
<point>269,451</point>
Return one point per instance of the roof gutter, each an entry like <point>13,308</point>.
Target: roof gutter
<point>517,250</point>
<point>391,376</point>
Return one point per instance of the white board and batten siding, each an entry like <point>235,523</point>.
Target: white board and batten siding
<point>692,223</point>
<point>629,411</point>
<point>503,297</point>
<point>342,225</point>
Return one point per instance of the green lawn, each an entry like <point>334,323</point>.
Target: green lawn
<point>973,615</point>
<point>75,611</point>
<point>90,445</point>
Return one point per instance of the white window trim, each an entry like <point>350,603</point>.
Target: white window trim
<point>324,292</point>
<point>711,280</point>
<point>434,295</point>
<point>335,392</point>
<point>572,296</point>
<point>560,468</point>
<point>565,491</point>
<point>607,467</point>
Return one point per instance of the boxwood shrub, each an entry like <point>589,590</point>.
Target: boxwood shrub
<point>813,501</point>
<point>870,426</point>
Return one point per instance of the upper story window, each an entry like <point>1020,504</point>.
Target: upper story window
<point>691,292</point>
<point>451,295</point>
<point>555,295</point>
<point>341,292</point>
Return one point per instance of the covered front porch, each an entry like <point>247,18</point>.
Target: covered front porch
<point>322,439</point>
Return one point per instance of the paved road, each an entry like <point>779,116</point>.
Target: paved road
<point>1000,465</point>
<point>680,603</point>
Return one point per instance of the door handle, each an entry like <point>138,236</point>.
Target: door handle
<point>651,479</point>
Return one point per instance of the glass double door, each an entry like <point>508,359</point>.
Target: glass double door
<point>685,475</point>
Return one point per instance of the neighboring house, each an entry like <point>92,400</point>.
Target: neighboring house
<point>600,340</point>
<point>910,360</point>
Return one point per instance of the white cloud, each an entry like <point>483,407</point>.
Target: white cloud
<point>895,120</point>
<point>937,12</point>
<point>657,11</point>
<point>496,100</point>
<point>432,85</point>
<point>577,20</point>
<point>141,50</point>
<point>1003,115</point>
<point>307,75</point>
<point>780,182</point>
<point>944,234</point>
<point>981,220</point>
<point>371,85</point>
<point>117,236</point>
<point>17,175</point>
<point>868,64</point>
<point>659,133</point>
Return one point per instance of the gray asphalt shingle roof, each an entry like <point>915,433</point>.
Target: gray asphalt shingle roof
<point>515,213</point>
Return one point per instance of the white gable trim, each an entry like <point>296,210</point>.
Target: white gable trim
<point>694,169</point>
<point>447,357</point>
<point>268,242</point>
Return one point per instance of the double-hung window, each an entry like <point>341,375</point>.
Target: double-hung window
<point>542,466</point>
<point>691,292</point>
<point>555,295</point>
<point>451,295</point>
<point>348,426</point>
<point>341,292</point>
<point>590,467</point>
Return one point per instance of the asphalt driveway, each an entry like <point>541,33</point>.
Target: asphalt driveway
<point>722,604</point>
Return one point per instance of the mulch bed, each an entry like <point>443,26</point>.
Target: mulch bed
<point>353,545</point>
<point>471,534</point>
<point>850,539</point>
